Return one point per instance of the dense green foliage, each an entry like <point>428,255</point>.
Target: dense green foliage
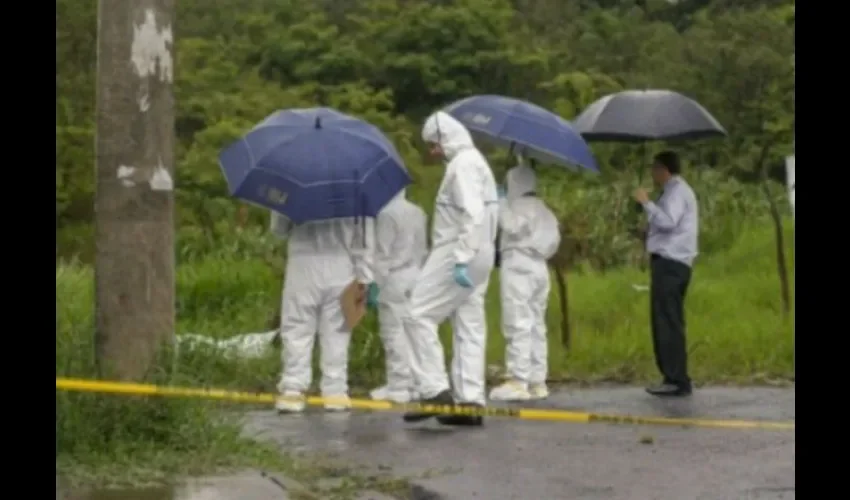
<point>394,61</point>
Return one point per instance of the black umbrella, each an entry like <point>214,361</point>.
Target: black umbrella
<point>646,115</point>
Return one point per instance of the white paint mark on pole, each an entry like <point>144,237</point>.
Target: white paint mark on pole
<point>161,179</point>
<point>151,49</point>
<point>144,103</point>
<point>125,175</point>
<point>150,54</point>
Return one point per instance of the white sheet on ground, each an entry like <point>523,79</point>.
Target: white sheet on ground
<point>245,346</point>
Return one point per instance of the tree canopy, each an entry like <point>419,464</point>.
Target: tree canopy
<point>394,61</point>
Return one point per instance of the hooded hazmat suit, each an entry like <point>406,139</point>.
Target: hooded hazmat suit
<point>400,250</point>
<point>463,233</point>
<point>323,258</point>
<point>530,236</point>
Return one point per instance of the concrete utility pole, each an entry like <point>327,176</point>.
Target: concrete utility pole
<point>134,202</point>
<point>793,204</point>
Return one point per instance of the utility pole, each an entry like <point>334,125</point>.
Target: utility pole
<point>134,201</point>
<point>793,203</point>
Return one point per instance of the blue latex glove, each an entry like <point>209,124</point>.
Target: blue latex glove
<point>501,191</point>
<point>372,293</point>
<point>461,277</point>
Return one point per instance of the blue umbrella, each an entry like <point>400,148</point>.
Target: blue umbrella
<point>540,134</point>
<point>314,164</point>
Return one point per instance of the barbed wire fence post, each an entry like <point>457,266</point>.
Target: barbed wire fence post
<point>134,201</point>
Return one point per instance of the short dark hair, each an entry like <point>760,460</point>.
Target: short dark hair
<point>669,160</point>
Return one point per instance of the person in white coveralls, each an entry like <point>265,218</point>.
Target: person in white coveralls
<point>530,236</point>
<point>323,258</point>
<point>401,246</point>
<point>453,281</point>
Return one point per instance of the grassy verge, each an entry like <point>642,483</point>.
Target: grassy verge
<point>128,443</point>
<point>106,441</point>
<point>736,333</point>
<point>736,330</point>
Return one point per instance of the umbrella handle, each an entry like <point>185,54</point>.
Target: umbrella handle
<point>359,218</point>
<point>511,154</point>
<point>641,167</point>
<point>508,162</point>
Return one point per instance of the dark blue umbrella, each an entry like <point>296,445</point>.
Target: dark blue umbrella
<point>520,125</point>
<point>314,164</point>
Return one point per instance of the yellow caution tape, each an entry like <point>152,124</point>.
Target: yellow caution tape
<point>84,385</point>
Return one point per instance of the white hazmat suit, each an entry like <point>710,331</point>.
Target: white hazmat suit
<point>400,250</point>
<point>323,258</point>
<point>530,236</point>
<point>462,251</point>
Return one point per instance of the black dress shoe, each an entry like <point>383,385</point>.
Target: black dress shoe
<point>669,390</point>
<point>463,420</point>
<point>443,399</point>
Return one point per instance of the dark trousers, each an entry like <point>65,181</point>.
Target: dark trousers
<point>669,284</point>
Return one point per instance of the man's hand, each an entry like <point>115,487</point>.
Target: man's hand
<point>641,195</point>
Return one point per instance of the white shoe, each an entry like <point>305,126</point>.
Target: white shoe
<point>538,391</point>
<point>380,393</point>
<point>294,402</point>
<point>511,390</point>
<point>384,394</point>
<point>337,403</point>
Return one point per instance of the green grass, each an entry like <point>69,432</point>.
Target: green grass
<point>737,334</point>
<point>105,441</point>
<point>736,331</point>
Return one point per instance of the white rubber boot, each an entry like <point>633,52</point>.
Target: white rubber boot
<point>385,394</point>
<point>538,391</point>
<point>291,402</point>
<point>339,402</point>
<point>511,390</point>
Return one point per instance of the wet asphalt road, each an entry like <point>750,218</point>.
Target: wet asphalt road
<point>513,459</point>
